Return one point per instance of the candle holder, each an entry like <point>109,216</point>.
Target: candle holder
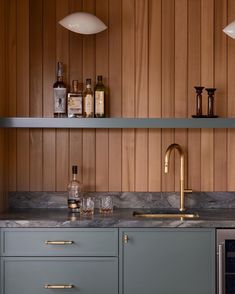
<point>210,107</point>
<point>199,91</point>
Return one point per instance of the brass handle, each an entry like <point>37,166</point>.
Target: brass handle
<point>220,270</point>
<point>125,238</point>
<point>58,242</point>
<point>188,191</point>
<point>47,286</point>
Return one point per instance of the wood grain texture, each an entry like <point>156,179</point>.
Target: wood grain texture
<point>151,57</point>
<point>23,93</point>
<point>102,68</point>
<point>194,79</point>
<point>128,93</point>
<point>49,62</point>
<point>89,143</point>
<point>115,93</point>
<point>76,73</point>
<point>220,136</point>
<point>35,90</point>
<point>141,93</point>
<point>12,90</point>
<point>155,94</point>
<point>181,82</point>
<point>207,80</point>
<point>168,84</point>
<point>231,102</point>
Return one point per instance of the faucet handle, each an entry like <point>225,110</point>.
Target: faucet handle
<point>188,191</point>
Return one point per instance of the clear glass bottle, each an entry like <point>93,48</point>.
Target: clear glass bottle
<point>60,93</point>
<point>75,99</point>
<point>74,191</point>
<point>88,98</point>
<point>100,98</point>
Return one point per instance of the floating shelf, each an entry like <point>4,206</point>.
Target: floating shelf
<point>116,123</point>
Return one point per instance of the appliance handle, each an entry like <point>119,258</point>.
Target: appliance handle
<point>220,270</point>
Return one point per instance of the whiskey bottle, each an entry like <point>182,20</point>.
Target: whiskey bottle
<point>74,191</point>
<point>75,100</point>
<point>99,98</point>
<point>59,93</point>
<point>88,100</point>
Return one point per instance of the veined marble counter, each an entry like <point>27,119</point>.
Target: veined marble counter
<point>61,218</point>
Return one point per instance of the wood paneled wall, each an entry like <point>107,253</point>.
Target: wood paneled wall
<point>152,55</point>
<point>3,95</point>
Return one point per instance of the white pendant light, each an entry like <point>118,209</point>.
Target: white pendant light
<point>230,30</point>
<point>83,23</point>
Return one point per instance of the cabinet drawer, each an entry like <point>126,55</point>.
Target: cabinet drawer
<point>60,242</point>
<point>84,275</point>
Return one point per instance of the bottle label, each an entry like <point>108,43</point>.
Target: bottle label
<point>59,100</point>
<point>89,105</point>
<point>99,102</point>
<point>74,106</point>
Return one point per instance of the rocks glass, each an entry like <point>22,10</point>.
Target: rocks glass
<point>106,205</point>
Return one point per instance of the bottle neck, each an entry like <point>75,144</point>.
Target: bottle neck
<point>60,78</point>
<point>74,177</point>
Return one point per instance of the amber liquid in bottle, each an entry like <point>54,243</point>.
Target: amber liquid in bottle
<point>88,103</point>
<point>60,92</point>
<point>75,100</point>
<point>100,98</point>
<point>74,192</point>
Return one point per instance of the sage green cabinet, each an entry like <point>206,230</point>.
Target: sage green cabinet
<point>41,261</point>
<point>167,261</point>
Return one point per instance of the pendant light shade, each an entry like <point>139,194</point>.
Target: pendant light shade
<point>83,23</point>
<point>230,30</point>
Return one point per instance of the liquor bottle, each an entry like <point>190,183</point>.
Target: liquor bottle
<point>99,98</point>
<point>59,93</point>
<point>75,100</point>
<point>74,191</point>
<point>88,100</point>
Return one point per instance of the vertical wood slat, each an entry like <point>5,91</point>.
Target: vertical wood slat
<point>62,136</point>
<point>12,90</point>
<point>220,136</point>
<point>89,148</point>
<point>194,79</point>
<point>102,67</point>
<point>181,81</point>
<point>231,101</point>
<point>35,56</point>
<point>155,93</point>
<point>76,73</point>
<point>23,93</point>
<point>128,93</point>
<point>115,93</point>
<point>49,61</point>
<point>3,91</point>
<point>168,81</point>
<point>141,93</point>
<point>207,80</point>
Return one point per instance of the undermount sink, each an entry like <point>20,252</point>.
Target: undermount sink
<point>166,214</point>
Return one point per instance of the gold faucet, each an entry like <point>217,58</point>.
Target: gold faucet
<point>167,158</point>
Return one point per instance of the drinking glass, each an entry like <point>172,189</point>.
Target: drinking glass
<point>106,205</point>
<point>87,206</point>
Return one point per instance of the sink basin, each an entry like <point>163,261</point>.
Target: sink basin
<point>166,214</point>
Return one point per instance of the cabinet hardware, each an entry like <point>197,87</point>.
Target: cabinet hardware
<point>220,269</point>
<point>47,286</point>
<point>125,238</point>
<point>58,242</point>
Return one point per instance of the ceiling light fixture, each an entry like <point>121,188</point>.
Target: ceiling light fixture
<point>83,23</point>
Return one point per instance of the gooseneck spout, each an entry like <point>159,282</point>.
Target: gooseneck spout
<point>166,169</point>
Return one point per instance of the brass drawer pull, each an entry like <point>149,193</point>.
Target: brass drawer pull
<point>47,286</point>
<point>125,238</point>
<point>58,242</point>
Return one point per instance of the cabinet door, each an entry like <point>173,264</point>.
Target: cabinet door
<point>40,275</point>
<point>167,261</point>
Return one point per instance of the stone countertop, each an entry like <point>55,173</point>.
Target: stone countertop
<point>61,218</point>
